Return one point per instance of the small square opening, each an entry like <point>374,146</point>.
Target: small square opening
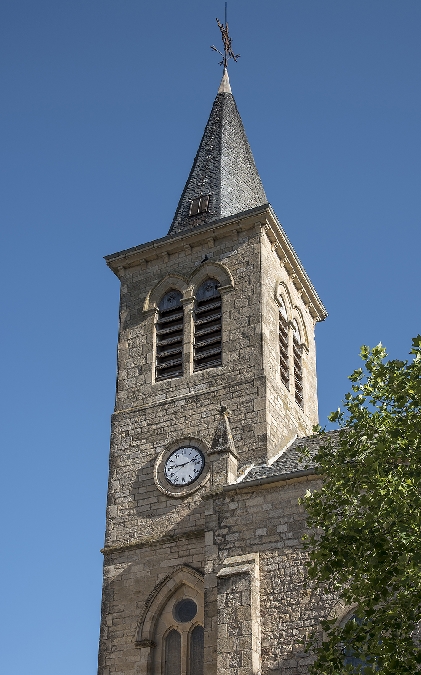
<point>199,205</point>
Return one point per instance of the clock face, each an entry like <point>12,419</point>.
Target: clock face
<point>184,465</point>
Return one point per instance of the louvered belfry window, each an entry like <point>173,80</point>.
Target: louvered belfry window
<point>199,205</point>
<point>283,343</point>
<point>169,336</point>
<point>298,364</point>
<point>208,326</point>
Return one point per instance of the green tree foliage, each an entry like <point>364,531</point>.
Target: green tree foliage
<point>365,522</point>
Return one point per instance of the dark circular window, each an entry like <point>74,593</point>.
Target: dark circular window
<point>185,610</point>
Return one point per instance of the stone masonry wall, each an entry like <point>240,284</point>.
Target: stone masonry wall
<point>129,578</point>
<point>240,254</point>
<point>266,522</point>
<point>284,417</point>
<point>149,532</point>
<point>149,415</point>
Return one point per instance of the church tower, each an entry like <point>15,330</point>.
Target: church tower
<point>216,376</point>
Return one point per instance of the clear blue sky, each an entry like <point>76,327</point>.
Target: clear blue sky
<point>102,108</point>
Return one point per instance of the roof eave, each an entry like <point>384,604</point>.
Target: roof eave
<point>290,259</point>
<point>131,256</point>
<point>263,215</point>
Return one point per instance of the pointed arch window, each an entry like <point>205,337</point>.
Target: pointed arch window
<point>169,336</point>
<point>196,651</point>
<point>172,658</point>
<point>283,343</point>
<point>208,326</point>
<point>350,657</point>
<point>182,642</point>
<point>298,363</point>
<point>171,627</point>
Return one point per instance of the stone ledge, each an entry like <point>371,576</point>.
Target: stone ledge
<point>202,392</point>
<point>131,255</point>
<point>269,481</point>
<point>168,538</point>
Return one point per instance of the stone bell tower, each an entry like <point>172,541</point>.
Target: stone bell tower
<point>216,373</point>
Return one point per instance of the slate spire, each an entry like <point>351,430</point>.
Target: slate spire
<point>223,174</point>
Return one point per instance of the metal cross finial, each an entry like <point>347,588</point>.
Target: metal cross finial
<point>228,53</point>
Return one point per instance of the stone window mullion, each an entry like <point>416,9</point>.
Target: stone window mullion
<point>188,335</point>
<point>184,651</point>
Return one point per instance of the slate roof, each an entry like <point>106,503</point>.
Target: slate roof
<point>223,168</point>
<point>290,461</point>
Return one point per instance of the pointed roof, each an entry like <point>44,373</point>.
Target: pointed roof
<point>223,168</point>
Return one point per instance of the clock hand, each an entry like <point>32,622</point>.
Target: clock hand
<point>180,466</point>
<point>175,467</point>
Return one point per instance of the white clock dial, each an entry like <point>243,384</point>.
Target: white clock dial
<point>184,465</point>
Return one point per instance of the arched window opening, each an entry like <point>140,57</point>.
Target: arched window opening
<point>169,336</point>
<point>283,343</point>
<point>298,363</point>
<point>171,626</point>
<point>196,651</point>
<point>208,326</point>
<point>172,657</point>
<point>350,659</point>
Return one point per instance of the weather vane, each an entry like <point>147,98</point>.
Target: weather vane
<point>228,53</point>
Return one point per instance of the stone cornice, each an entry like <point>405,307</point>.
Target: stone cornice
<point>191,394</point>
<point>151,250</point>
<point>281,480</point>
<point>262,215</point>
<point>288,257</point>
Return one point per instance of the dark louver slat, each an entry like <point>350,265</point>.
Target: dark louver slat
<point>207,353</point>
<point>170,352</point>
<point>208,319</point>
<point>209,341</point>
<point>212,305</point>
<point>169,329</point>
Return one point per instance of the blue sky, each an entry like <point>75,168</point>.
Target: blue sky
<point>103,105</point>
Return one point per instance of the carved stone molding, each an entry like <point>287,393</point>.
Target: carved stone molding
<point>147,637</point>
<point>150,644</point>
